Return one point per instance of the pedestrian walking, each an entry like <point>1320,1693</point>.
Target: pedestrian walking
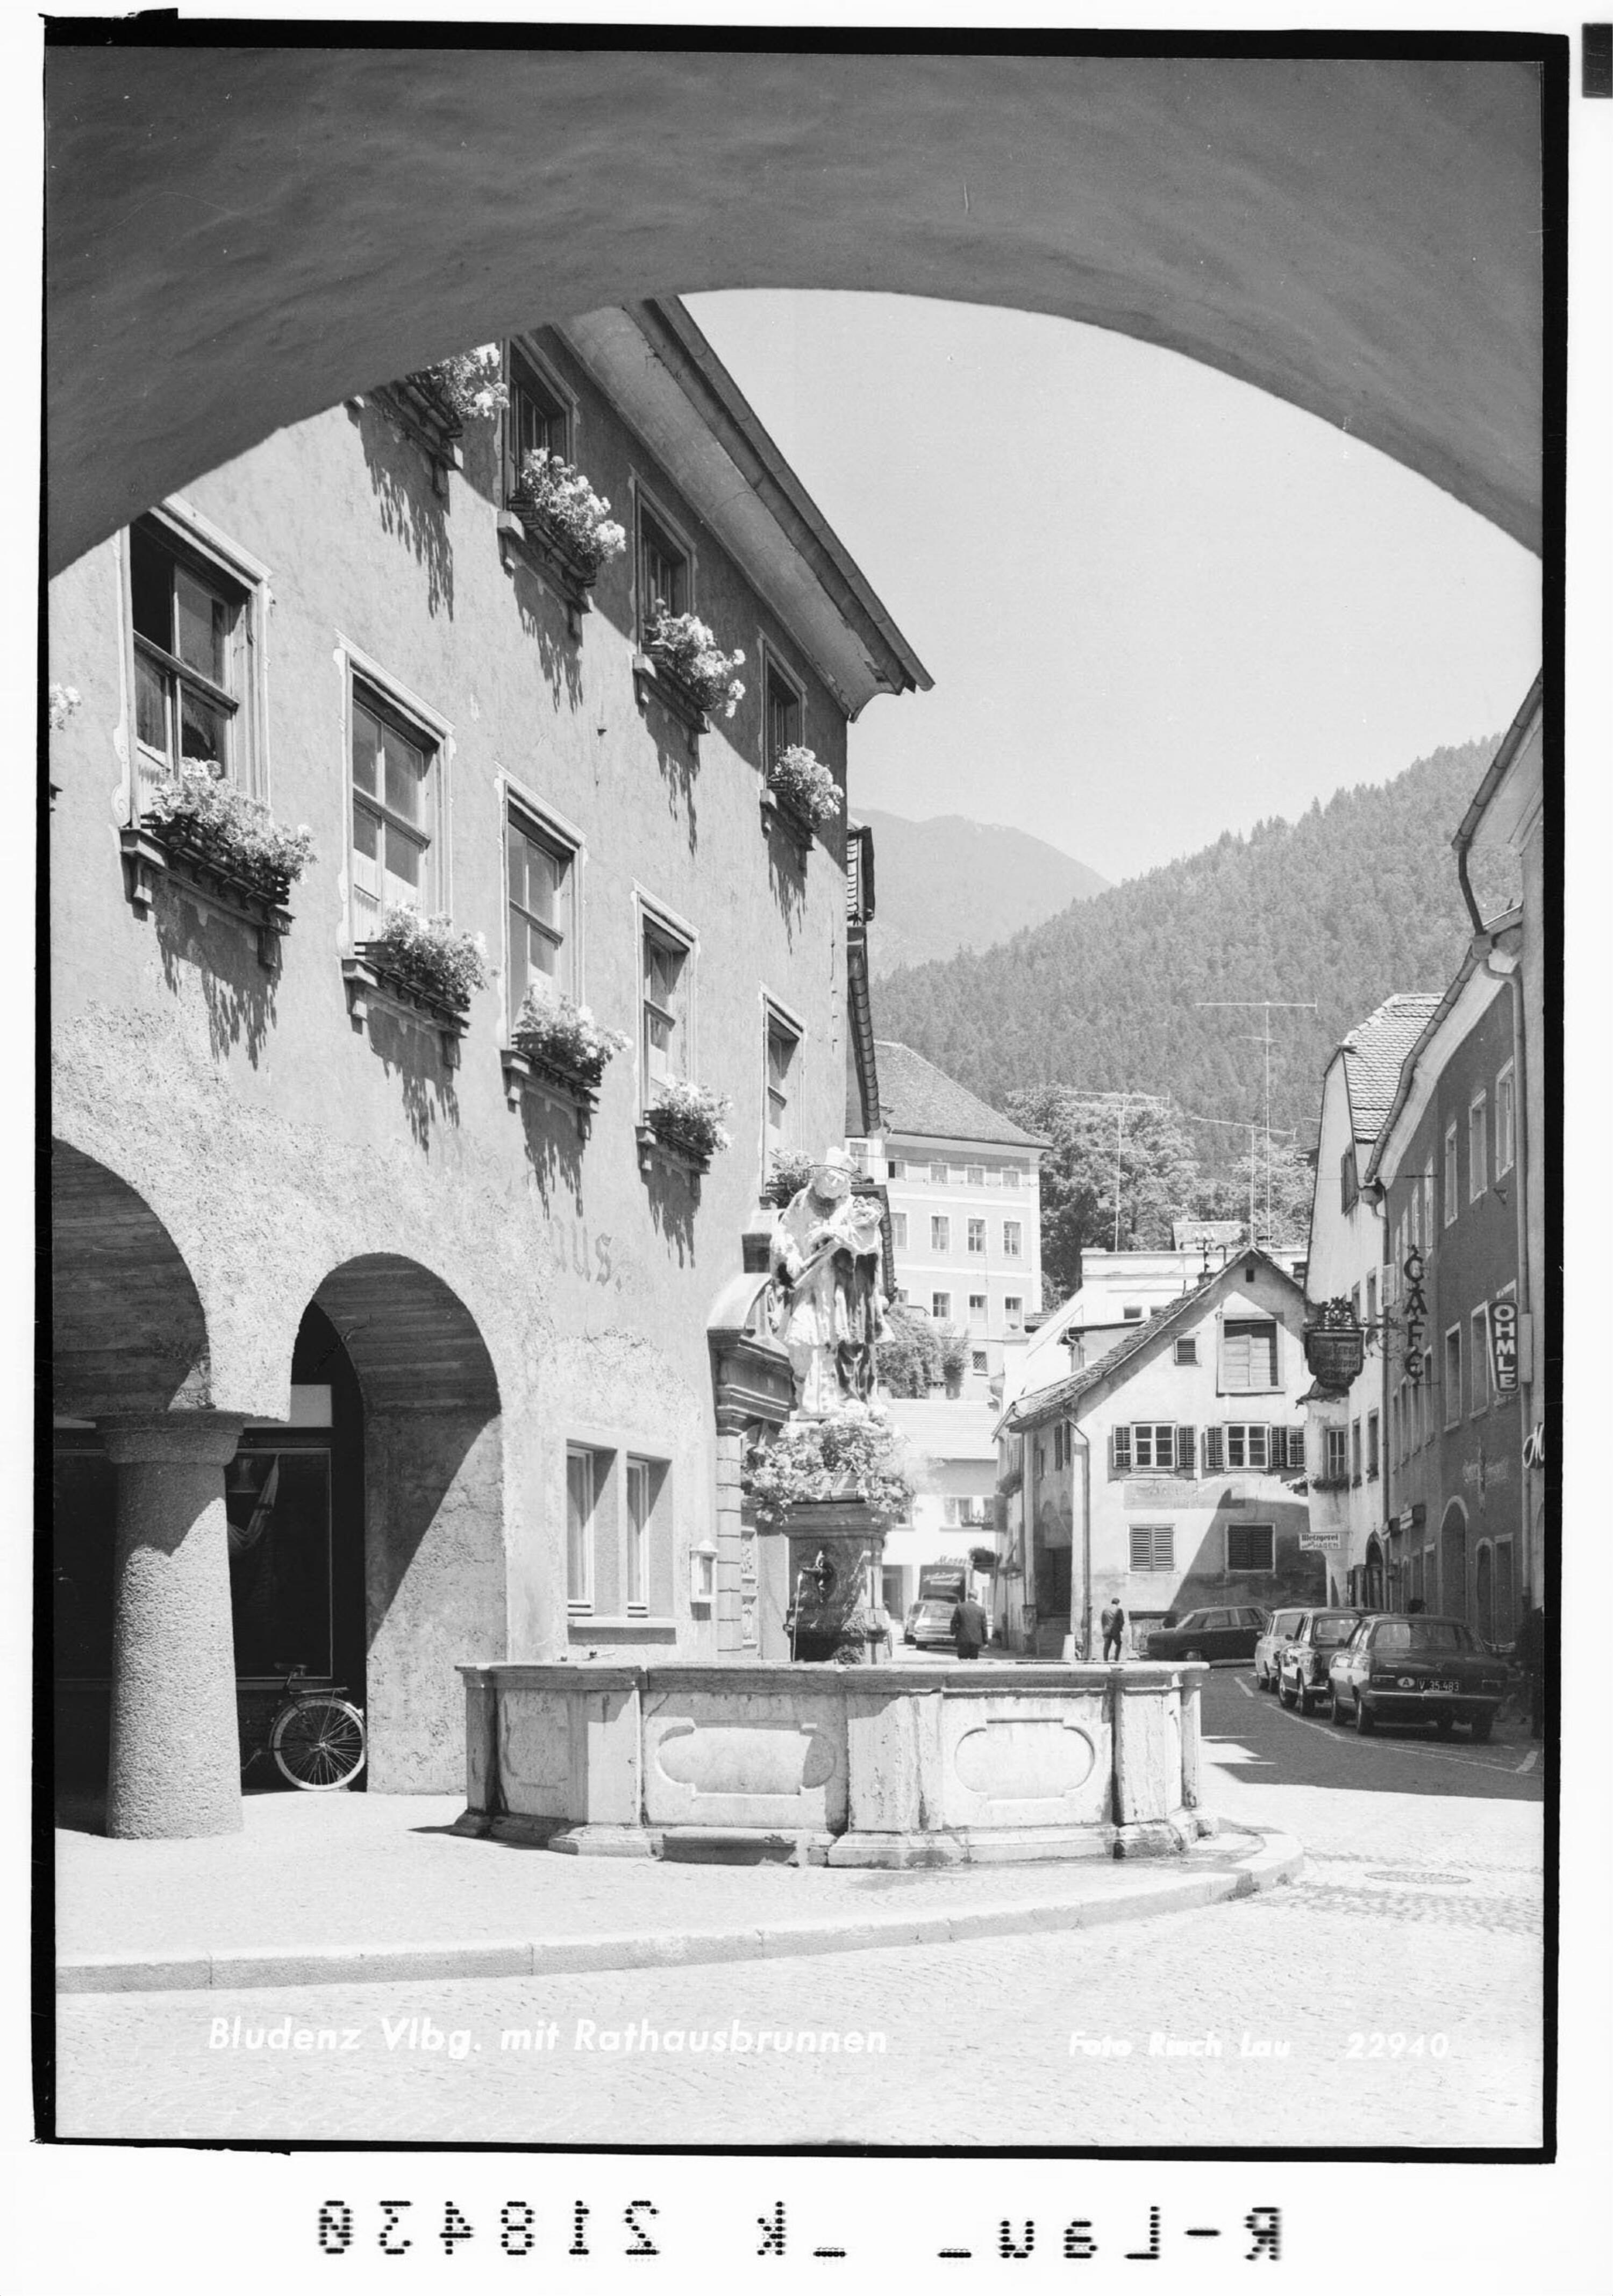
<point>970,1629</point>
<point>1112,1619</point>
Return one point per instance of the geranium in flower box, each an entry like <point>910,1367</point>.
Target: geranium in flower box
<point>202,818</point>
<point>471,383</point>
<point>426,955</point>
<point>557,1034</point>
<point>806,787</point>
<point>688,1119</point>
<point>556,498</point>
<point>856,1452</point>
<point>684,646</point>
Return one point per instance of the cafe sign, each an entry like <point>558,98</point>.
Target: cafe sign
<point>1416,1314</point>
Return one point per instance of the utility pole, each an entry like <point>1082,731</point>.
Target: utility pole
<point>1265,1007</point>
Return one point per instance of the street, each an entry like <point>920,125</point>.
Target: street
<point>1393,1995</point>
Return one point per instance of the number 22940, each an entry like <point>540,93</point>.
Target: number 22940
<point>1399,2044</point>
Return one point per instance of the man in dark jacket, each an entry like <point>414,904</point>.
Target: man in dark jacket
<point>970,1629</point>
<point>1532,1653</point>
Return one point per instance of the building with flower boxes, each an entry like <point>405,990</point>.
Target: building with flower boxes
<point>397,1201</point>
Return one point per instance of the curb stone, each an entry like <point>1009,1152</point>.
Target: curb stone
<point>1277,1858</point>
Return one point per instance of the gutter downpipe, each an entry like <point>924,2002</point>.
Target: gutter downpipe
<point>1520,1191</point>
<point>1087,1537</point>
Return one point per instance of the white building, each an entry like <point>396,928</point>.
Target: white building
<point>954,1464</point>
<point>962,1185</point>
<point>1344,1261</point>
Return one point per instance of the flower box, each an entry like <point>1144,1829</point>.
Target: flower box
<point>563,529</point>
<point>224,846</point>
<point>559,1047</point>
<point>526,1073</point>
<point>685,667</point>
<point>800,794</point>
<point>654,680</point>
<point>420,966</point>
<point>367,976</point>
<point>422,411</point>
<point>685,1121</point>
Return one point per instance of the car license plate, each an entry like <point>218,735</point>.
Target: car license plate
<point>1445,1689</point>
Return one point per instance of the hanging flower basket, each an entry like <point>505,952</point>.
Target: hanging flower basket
<point>556,505</point>
<point>202,818</point>
<point>427,956</point>
<point>856,1452</point>
<point>688,1119</point>
<point>471,383</point>
<point>684,646</point>
<point>565,1038</point>
<point>806,787</point>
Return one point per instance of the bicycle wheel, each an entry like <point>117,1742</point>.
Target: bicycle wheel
<point>318,1743</point>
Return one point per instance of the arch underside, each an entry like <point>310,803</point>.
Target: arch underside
<point>276,229</point>
<point>128,1330</point>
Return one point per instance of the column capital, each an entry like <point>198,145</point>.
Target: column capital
<point>201,1438</point>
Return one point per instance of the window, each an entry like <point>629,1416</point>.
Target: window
<point>1356,1301</point>
<point>940,1233</point>
<point>1371,1446</point>
<point>899,1226</point>
<point>641,1507</point>
<point>1478,1160</point>
<point>1296,1449</point>
<point>1119,1450</point>
<point>536,422</point>
<point>541,877</point>
<point>1452,1375</point>
<point>396,798</point>
<point>665,1047</point>
<point>702,1576</point>
<point>1153,1546</point>
<point>1397,1404</point>
<point>1247,1445</point>
<point>581,1481</point>
<point>782,1044</point>
<point>1354,1450</point>
<point>1371,1299</point>
<point>1012,1231</point>
<point>938,1173</point>
<point>1479,1359</point>
<point>1013,1310</point>
<point>1506,1121</point>
<point>895,1169</point>
<point>1450,1175</point>
<point>977,1359</point>
<point>976,1308</point>
<point>663,569</point>
<point>1425,1405</point>
<point>1249,1356</point>
<point>191,632</point>
<point>975,1174</point>
<point>1251,1546</point>
<point>940,1305</point>
<point>1187,1351</point>
<point>1338,1454</point>
<point>1010,1176</point>
<point>1154,1445</point>
<point>783,713</point>
<point>977,1235</point>
<point>1131,1315</point>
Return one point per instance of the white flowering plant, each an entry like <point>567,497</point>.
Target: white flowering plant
<point>472,383</point>
<point>206,814</point>
<point>686,1116</point>
<point>554,1030</point>
<point>427,954</point>
<point>856,1450</point>
<point>789,1171</point>
<point>63,700</point>
<point>566,503</point>
<point>690,651</point>
<point>804,784</point>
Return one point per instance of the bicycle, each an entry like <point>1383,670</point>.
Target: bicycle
<point>315,1737</point>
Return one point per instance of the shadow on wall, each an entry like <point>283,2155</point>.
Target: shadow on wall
<point>674,1198</point>
<point>238,991</point>
<point>554,1148</point>
<point>678,755</point>
<point>1298,1578</point>
<point>543,618</point>
<point>426,1081</point>
<point>787,866</point>
<point>408,501</point>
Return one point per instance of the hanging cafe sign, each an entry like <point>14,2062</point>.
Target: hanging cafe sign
<point>1335,1346</point>
<point>1416,1314</point>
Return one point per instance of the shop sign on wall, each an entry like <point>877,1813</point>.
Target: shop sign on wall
<point>1503,1345</point>
<point>1416,1315</point>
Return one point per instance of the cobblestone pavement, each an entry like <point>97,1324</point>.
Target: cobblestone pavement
<point>1391,1997</point>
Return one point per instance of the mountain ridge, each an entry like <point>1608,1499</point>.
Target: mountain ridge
<point>947,883</point>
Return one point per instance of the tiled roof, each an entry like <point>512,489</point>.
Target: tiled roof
<point>1049,1402</point>
<point>915,1096</point>
<point>1373,1053</point>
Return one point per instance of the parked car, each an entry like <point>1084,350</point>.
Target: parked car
<point>929,1626</point>
<point>1302,1664</point>
<point>1268,1651</point>
<point>1399,1668</point>
<point>1231,1633</point>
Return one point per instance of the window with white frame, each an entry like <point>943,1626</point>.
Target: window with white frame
<point>1012,1238</point>
<point>192,633</point>
<point>895,1169</point>
<point>782,1051</point>
<point>1153,1546</point>
<point>1478,1161</point>
<point>1013,1310</point>
<point>1011,1173</point>
<point>977,1359</point>
<point>1337,1454</point>
<point>1371,1446</point>
<point>1479,1360</point>
<point>1452,1375</point>
<point>977,1309</point>
<point>667,962</point>
<point>940,1231</point>
<point>938,1173</point>
<point>898,1229</point>
<point>783,710</point>
<point>1450,1176</point>
<point>540,875</point>
<point>1248,1444</point>
<point>396,775</point>
<point>1154,1445</point>
<point>643,1476</point>
<point>1251,1547</point>
<point>1506,1121</point>
<point>538,419</point>
<point>975,1174</point>
<point>664,569</point>
<point>977,1235</point>
<point>583,1482</point>
<point>1248,1355</point>
<point>940,1307</point>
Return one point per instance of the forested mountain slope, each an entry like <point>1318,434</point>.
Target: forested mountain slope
<point>1355,899</point>
<point>947,884</point>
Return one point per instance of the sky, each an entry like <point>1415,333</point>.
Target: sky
<point>1157,603</point>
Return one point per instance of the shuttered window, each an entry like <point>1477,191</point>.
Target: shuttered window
<point>1296,1448</point>
<point>1119,1450</point>
<point>1249,1358</point>
<point>1152,1547</point>
<point>1186,1448</point>
<point>1214,1451</point>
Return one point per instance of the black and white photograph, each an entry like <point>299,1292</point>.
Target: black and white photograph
<point>816,836</point>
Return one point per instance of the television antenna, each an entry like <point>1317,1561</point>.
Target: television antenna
<point>1265,1007</point>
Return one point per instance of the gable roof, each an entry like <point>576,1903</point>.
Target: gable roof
<point>1373,1054</point>
<point>917,1096</point>
<point>1052,1402</point>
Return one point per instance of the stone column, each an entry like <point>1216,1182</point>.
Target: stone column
<point>175,1771</point>
<point>732,1589</point>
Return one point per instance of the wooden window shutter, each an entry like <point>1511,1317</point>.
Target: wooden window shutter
<point>1296,1447</point>
<point>1142,1549</point>
<point>1276,1450</point>
<point>1214,1451</point>
<point>1187,1440</point>
<point>1165,1541</point>
<point>1119,1451</point>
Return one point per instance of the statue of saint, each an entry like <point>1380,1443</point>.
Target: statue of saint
<point>828,1312</point>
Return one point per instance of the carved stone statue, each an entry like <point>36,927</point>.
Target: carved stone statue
<point>827,1309</point>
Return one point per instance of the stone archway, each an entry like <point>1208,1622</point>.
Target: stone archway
<point>435,1589</point>
<point>128,1329</point>
<point>1360,237</point>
